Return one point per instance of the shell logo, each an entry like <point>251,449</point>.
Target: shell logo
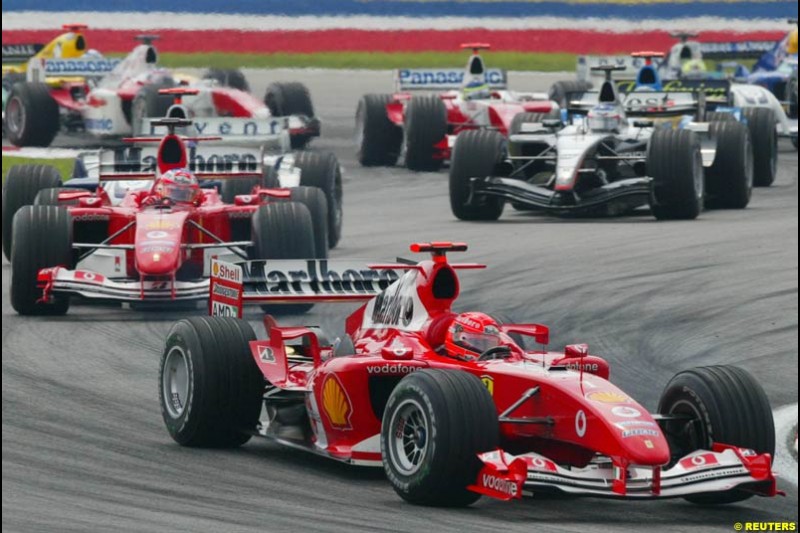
<point>215,269</point>
<point>335,403</point>
<point>607,397</point>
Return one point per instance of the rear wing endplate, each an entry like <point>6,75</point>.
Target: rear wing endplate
<point>436,79</point>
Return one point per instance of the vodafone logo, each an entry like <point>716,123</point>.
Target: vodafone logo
<point>500,485</point>
<point>156,234</point>
<point>580,423</point>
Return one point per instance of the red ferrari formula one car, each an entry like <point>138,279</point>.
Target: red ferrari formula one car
<point>452,406</point>
<point>423,127</point>
<point>157,243</point>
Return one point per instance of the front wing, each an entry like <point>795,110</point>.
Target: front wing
<point>722,469</point>
<point>99,287</point>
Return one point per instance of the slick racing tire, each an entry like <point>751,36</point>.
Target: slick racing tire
<point>425,124</point>
<point>675,163</point>
<point>229,189</point>
<point>726,405</point>
<point>228,77</point>
<point>322,170</point>
<point>148,103</point>
<point>761,123</point>
<point>719,116</point>
<point>729,180</point>
<point>283,230</point>
<point>476,154</point>
<point>210,388</point>
<point>50,197</point>
<point>378,139</point>
<point>435,424</point>
<point>314,199</point>
<point>42,239</point>
<point>23,183</point>
<point>561,91</point>
<point>290,98</point>
<point>31,115</point>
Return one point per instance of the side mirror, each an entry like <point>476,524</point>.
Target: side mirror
<point>643,123</point>
<point>576,350</point>
<point>552,123</point>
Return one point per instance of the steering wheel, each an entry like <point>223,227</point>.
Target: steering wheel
<point>494,353</point>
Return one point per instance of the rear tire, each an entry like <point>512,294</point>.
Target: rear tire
<point>476,154</point>
<point>675,163</point>
<point>322,170</point>
<point>561,91</point>
<point>378,139</point>
<point>730,407</point>
<point>283,230</point>
<point>719,116</point>
<point>32,115</point>
<point>23,183</point>
<point>148,103</point>
<point>761,123</point>
<point>210,388</point>
<point>425,125</point>
<point>228,77</point>
<point>42,239</point>
<point>729,180</point>
<point>314,199</point>
<point>290,98</point>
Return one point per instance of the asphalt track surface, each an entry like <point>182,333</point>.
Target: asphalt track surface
<point>84,447</point>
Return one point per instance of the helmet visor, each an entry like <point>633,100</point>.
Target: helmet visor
<point>478,342</point>
<point>178,193</point>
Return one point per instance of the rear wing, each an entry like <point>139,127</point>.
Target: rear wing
<point>39,69</point>
<point>20,53</point>
<point>205,160</point>
<point>736,50</point>
<point>293,281</point>
<point>436,79</point>
<point>716,91</point>
<point>231,130</point>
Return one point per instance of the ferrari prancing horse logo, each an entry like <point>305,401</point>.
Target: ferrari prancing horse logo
<point>488,382</point>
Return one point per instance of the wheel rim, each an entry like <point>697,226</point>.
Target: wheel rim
<point>175,380</point>
<point>409,437</point>
<point>359,136</point>
<point>695,435</point>
<point>748,164</point>
<point>337,200</point>
<point>773,156</point>
<point>15,116</point>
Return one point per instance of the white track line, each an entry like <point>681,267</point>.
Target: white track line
<point>785,463</point>
<point>42,20</point>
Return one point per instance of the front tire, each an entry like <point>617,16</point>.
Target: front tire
<point>425,125</point>
<point>435,424</point>
<point>727,405</point>
<point>42,239</point>
<point>210,388</point>
<point>314,200</point>
<point>675,163</point>
<point>23,183</point>
<point>476,154</point>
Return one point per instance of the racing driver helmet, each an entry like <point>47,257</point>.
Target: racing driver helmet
<point>476,89</point>
<point>178,186</point>
<point>606,117</point>
<point>471,334</point>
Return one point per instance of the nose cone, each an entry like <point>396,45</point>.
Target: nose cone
<point>638,435</point>
<point>158,242</point>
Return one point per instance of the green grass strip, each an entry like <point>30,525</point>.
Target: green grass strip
<point>371,60</point>
<point>64,166</point>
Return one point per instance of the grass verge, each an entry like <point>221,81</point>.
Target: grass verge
<point>64,166</point>
<point>371,60</point>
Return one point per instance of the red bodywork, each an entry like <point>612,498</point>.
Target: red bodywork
<point>573,416</point>
<point>496,113</point>
<point>160,249</point>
